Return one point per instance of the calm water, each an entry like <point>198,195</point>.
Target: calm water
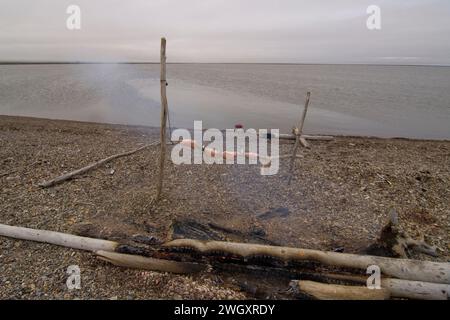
<point>382,101</point>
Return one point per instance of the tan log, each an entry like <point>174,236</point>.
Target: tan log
<point>400,288</point>
<point>324,291</point>
<point>416,289</point>
<point>57,238</point>
<point>104,249</point>
<point>394,267</point>
<point>146,263</point>
<point>427,271</point>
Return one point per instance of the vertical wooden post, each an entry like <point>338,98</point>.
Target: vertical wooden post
<point>298,139</point>
<point>164,111</point>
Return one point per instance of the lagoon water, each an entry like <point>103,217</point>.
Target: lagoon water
<point>385,101</point>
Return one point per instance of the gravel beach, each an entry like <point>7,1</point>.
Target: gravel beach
<point>339,197</point>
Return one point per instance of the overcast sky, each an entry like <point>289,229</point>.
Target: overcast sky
<point>290,31</point>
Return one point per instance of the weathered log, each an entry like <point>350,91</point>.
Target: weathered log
<point>104,249</point>
<point>416,289</point>
<point>324,291</point>
<point>92,166</point>
<point>427,271</point>
<point>57,238</point>
<point>401,268</point>
<point>400,288</point>
<point>145,263</point>
<point>290,136</point>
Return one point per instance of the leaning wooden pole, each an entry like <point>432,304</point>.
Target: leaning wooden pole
<point>164,112</point>
<point>305,110</point>
<point>92,166</point>
<point>298,139</point>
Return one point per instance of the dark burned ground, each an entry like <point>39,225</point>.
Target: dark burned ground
<point>340,197</point>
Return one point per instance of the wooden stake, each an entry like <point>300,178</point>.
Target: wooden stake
<point>297,132</point>
<point>164,111</point>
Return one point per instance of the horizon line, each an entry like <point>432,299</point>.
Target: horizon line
<point>6,62</point>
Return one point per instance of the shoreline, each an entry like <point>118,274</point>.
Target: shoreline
<point>145,127</point>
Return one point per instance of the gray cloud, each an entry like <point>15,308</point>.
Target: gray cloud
<point>292,31</point>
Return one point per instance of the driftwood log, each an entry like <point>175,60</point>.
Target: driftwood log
<point>104,249</point>
<point>146,263</point>
<point>324,291</point>
<point>417,270</point>
<point>92,166</point>
<point>416,289</point>
<point>400,288</point>
<point>430,280</point>
<point>57,238</point>
<point>396,243</point>
<point>395,288</point>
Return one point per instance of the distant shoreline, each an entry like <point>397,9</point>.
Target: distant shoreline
<point>255,63</point>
